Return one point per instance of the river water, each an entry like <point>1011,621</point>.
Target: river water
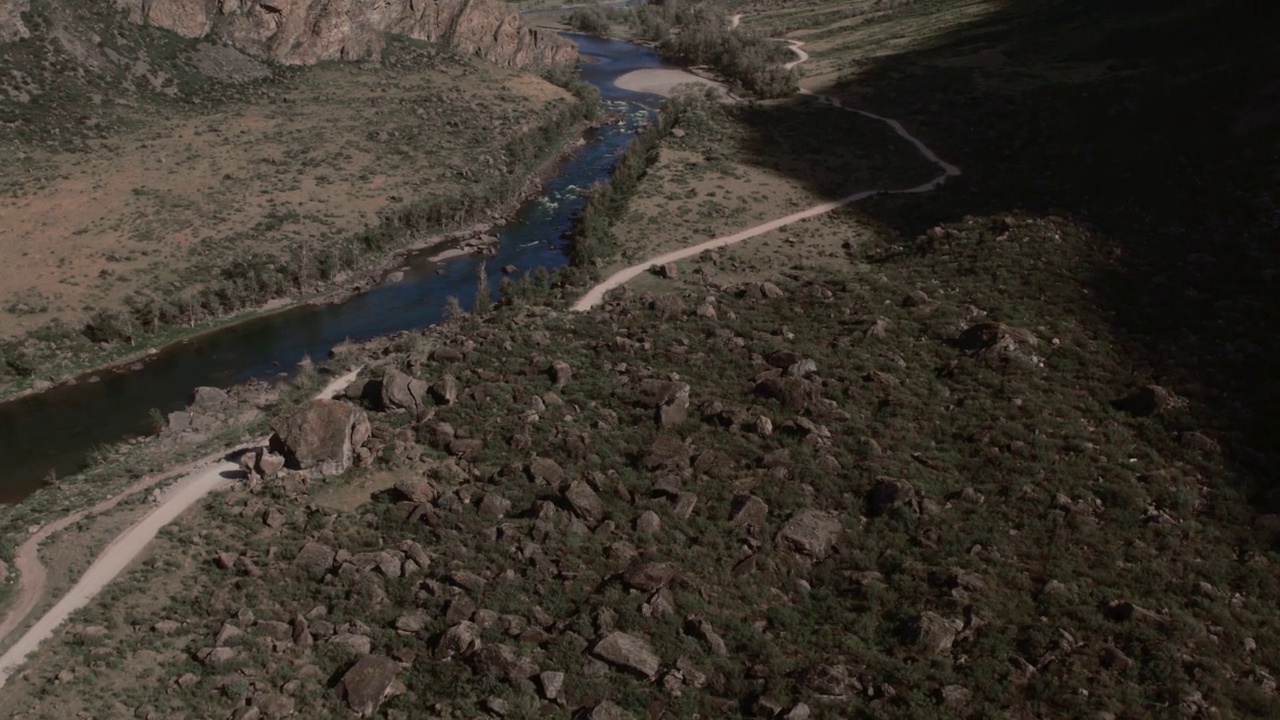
<point>51,434</point>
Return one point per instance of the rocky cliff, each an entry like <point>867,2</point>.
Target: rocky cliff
<point>302,32</point>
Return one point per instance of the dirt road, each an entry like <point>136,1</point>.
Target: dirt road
<point>596,294</point>
<point>118,554</point>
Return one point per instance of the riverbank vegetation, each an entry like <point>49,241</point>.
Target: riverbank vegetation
<point>353,165</point>
<point>699,33</point>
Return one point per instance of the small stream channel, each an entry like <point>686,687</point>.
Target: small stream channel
<point>53,433</point>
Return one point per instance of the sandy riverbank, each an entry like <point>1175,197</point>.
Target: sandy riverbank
<point>663,81</point>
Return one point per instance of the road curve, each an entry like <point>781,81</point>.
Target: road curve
<point>118,554</point>
<point>595,295</point>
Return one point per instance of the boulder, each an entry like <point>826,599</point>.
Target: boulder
<point>650,576</point>
<point>503,661</point>
<point>461,639</point>
<point>608,711</point>
<point>552,682</point>
<point>546,470</point>
<point>933,634</point>
<point>629,652</point>
<point>810,532</point>
<point>314,560</point>
<point>794,393</point>
<point>417,490</point>
<point>445,390</point>
<point>889,495</point>
<point>584,501</point>
<point>996,341</point>
<point>368,684</point>
<point>655,393</point>
<point>1151,400</point>
<point>268,463</point>
<point>749,511</point>
<point>401,391</point>
<point>321,437</point>
<point>560,373</point>
<point>208,399</point>
<point>675,411</point>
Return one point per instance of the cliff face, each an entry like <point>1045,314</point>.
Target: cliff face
<point>302,32</point>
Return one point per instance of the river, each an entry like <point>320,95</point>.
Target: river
<point>52,434</point>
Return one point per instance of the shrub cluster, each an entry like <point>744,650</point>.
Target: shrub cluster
<point>607,201</point>
<point>697,33</point>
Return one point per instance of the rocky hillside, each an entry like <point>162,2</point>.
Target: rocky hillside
<point>304,33</point>
<point>824,496</point>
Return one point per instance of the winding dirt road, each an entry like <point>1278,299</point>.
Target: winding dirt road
<point>119,553</point>
<point>595,295</point>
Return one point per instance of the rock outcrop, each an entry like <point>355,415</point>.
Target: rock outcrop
<point>321,437</point>
<point>304,32</point>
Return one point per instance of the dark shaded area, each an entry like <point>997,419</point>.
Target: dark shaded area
<point>1155,126</point>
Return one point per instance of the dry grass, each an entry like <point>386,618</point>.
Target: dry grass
<point>316,159</point>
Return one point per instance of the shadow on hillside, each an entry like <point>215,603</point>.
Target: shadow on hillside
<point>1156,125</point>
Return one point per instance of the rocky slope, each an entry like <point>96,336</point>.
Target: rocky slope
<point>304,32</point>
<point>820,497</point>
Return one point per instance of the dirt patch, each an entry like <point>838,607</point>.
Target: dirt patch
<point>346,496</point>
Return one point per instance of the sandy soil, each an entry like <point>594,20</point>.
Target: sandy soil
<point>118,555</point>
<point>662,81</point>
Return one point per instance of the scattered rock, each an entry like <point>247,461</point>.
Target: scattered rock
<point>584,501</point>
<point>749,511</point>
<point>629,652</point>
<point>552,683</point>
<point>933,634</point>
<point>445,390</point>
<point>650,576</point>
<point>889,494</point>
<point>810,532</point>
<point>417,490</point>
<point>404,392</point>
<point>608,711</point>
<point>560,373</point>
<point>546,470</point>
<point>462,639</point>
<point>648,523</point>
<point>208,399</point>
<point>795,394</point>
<point>314,560</point>
<point>368,684</point>
<point>1150,400</point>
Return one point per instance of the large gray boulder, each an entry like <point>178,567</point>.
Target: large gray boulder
<point>628,652</point>
<point>368,683</point>
<point>321,437</point>
<point>404,392</point>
